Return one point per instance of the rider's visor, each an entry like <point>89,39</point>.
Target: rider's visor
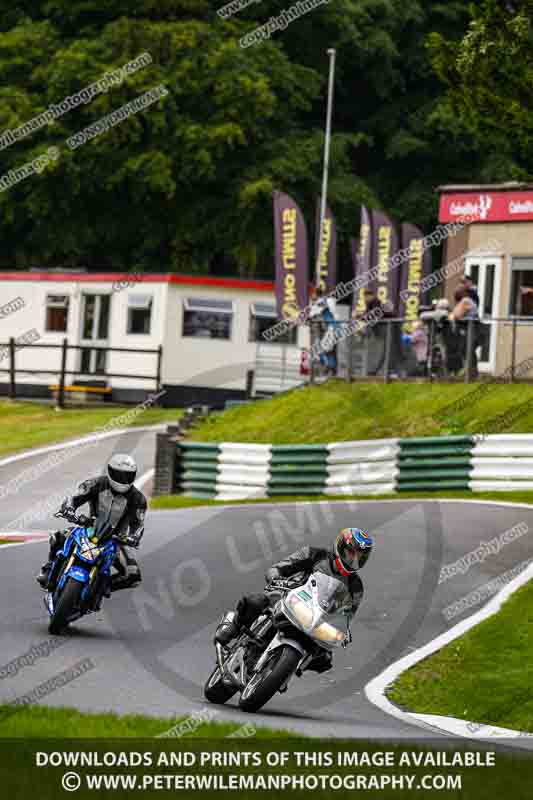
<point>123,476</point>
<point>349,555</point>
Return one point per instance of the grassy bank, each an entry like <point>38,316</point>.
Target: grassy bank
<point>27,425</point>
<point>179,501</point>
<point>342,412</point>
<point>43,721</point>
<point>485,676</point>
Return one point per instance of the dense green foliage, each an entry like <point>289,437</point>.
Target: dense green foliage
<point>186,184</point>
<point>489,75</point>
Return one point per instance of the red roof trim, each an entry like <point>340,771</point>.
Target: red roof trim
<point>112,277</point>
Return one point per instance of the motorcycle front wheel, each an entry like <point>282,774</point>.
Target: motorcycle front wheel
<point>68,601</point>
<point>264,684</point>
<point>216,691</point>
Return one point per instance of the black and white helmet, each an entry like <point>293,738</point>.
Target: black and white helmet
<point>121,471</point>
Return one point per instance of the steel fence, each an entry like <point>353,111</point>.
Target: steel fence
<point>500,348</point>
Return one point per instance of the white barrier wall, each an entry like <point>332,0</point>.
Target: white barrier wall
<point>502,462</point>
<point>232,471</point>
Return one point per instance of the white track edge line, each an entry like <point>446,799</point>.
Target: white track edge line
<point>95,437</point>
<point>375,689</point>
<point>349,499</point>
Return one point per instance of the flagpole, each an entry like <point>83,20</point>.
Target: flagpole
<point>323,200</point>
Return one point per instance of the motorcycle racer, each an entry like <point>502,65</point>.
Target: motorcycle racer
<point>350,553</point>
<point>115,495</point>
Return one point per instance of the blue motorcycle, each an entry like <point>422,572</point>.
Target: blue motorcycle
<point>80,575</point>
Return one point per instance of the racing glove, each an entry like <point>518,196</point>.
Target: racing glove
<point>273,574</point>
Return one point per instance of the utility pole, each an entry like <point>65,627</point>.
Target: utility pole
<point>325,174</point>
<point>323,199</point>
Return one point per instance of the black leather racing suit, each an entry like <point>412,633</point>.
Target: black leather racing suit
<point>304,561</point>
<point>126,512</point>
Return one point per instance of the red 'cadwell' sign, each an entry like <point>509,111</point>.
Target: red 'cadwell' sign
<point>487,207</point>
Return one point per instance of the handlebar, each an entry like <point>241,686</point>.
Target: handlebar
<point>87,522</point>
<point>82,520</point>
<point>279,585</point>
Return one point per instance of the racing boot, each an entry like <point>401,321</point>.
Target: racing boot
<point>56,541</point>
<point>322,662</point>
<point>227,629</point>
<point>42,577</point>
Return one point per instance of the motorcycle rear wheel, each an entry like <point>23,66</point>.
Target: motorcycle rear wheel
<point>263,686</point>
<point>68,601</point>
<point>216,691</point>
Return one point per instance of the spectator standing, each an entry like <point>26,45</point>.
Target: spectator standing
<point>466,309</point>
<point>419,343</point>
<point>467,283</point>
<point>323,310</point>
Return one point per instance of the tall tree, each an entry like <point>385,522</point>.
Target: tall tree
<point>489,74</point>
<point>186,184</point>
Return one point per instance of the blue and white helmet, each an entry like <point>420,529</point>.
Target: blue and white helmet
<point>121,472</point>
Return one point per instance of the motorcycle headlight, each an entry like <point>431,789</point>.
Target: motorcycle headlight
<point>328,633</point>
<point>301,612</point>
<point>89,552</point>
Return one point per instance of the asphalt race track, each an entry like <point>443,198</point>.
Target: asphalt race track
<point>152,647</point>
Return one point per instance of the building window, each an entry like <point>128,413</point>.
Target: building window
<point>207,319</point>
<point>139,313</point>
<point>262,317</point>
<point>521,301</point>
<point>56,313</point>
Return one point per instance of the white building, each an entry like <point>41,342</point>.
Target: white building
<point>209,330</point>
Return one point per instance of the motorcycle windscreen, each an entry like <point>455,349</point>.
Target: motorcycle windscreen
<point>320,610</point>
<point>111,509</point>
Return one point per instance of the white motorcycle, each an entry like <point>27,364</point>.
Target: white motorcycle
<point>308,619</point>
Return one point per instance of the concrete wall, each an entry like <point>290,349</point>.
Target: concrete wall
<point>455,248</point>
<point>516,239</point>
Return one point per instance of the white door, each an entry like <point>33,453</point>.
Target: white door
<point>94,331</point>
<point>486,273</point>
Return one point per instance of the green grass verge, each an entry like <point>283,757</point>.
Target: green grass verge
<point>27,425</point>
<point>44,721</point>
<point>6,541</point>
<point>180,501</point>
<point>485,676</point>
<point>338,411</point>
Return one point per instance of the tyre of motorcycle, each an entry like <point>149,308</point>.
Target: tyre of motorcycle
<point>271,676</point>
<point>55,573</point>
<point>216,690</point>
<point>97,591</point>
<point>68,601</point>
